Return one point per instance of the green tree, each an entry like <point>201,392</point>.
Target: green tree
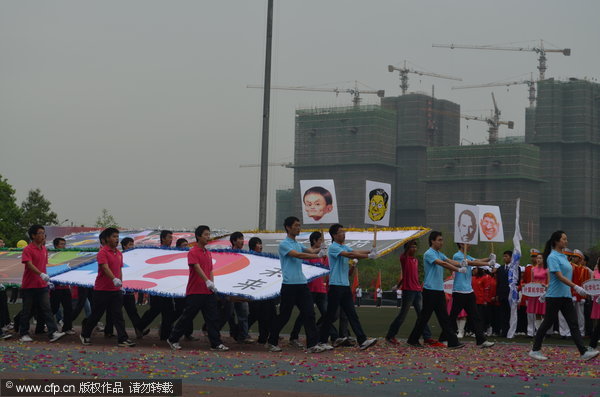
<point>11,227</point>
<point>106,220</point>
<point>36,210</point>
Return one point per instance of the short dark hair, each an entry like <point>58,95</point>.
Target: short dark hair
<point>507,252</point>
<point>164,234</point>
<point>314,237</point>
<point>199,230</point>
<point>322,191</point>
<point>334,229</point>
<point>379,192</point>
<point>409,244</point>
<point>109,231</point>
<point>57,241</point>
<point>433,236</point>
<point>180,242</point>
<point>289,221</point>
<point>235,236</point>
<point>126,241</point>
<point>254,241</point>
<point>33,230</point>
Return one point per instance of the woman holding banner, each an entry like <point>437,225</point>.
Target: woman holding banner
<point>539,274</point>
<point>559,297</point>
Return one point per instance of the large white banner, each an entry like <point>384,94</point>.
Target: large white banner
<point>319,204</point>
<point>490,224</point>
<point>465,224</point>
<point>165,272</point>
<point>378,200</point>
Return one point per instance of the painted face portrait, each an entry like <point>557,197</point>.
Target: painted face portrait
<point>489,225</point>
<point>467,226</point>
<point>378,202</point>
<point>316,205</point>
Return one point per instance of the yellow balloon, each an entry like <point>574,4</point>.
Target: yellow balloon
<point>21,244</point>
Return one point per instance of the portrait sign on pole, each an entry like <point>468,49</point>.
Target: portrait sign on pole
<point>465,224</point>
<point>319,204</point>
<point>490,224</point>
<point>378,199</point>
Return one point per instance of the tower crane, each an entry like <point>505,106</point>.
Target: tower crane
<point>493,122</point>
<point>404,71</point>
<point>540,50</point>
<point>355,92</point>
<point>530,83</point>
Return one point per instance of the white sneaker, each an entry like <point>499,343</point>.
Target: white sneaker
<point>70,332</point>
<point>5,335</point>
<point>460,335</point>
<point>296,343</point>
<point>325,346</point>
<point>221,348</point>
<point>25,338</point>
<point>56,336</point>
<point>272,348</point>
<point>368,343</point>
<point>315,349</point>
<point>340,341</point>
<point>537,355</point>
<point>174,345</point>
<point>486,344</point>
<point>588,355</point>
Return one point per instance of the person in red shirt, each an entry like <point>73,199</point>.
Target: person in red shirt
<point>107,295</point>
<point>408,281</point>
<point>34,285</point>
<point>200,294</point>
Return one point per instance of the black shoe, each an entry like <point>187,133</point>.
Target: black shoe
<point>460,345</point>
<point>126,343</point>
<point>415,344</point>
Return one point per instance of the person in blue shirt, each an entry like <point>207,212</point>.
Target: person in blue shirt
<point>340,294</point>
<point>559,298</point>
<point>294,288</point>
<point>463,296</point>
<point>434,299</point>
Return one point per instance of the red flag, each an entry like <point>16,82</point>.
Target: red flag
<point>377,285</point>
<point>355,283</point>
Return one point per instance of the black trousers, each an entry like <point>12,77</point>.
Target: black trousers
<point>503,316</point>
<point>433,301</point>
<point>62,297</point>
<point>264,312</point>
<point>83,294</point>
<point>166,308</point>
<point>341,297</point>
<point>553,306</point>
<point>207,303</point>
<point>39,298</point>
<point>467,302</point>
<point>106,301</point>
<point>180,304</point>
<point>595,335</point>
<point>130,309</point>
<point>4,316</point>
<point>320,300</point>
<point>295,295</point>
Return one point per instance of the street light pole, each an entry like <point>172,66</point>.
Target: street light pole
<point>264,153</point>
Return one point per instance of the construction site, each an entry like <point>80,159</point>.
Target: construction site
<point>412,141</point>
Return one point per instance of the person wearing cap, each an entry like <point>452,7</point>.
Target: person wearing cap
<point>536,308</point>
<point>581,274</point>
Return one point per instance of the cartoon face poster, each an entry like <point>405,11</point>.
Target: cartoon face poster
<point>319,204</point>
<point>465,223</point>
<point>490,224</point>
<point>378,198</point>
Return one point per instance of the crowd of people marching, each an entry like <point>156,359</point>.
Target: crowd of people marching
<point>482,302</point>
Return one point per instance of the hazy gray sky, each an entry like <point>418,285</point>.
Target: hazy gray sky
<point>141,107</point>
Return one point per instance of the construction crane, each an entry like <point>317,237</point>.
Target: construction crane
<point>530,83</point>
<point>493,122</point>
<point>404,71</point>
<point>355,92</point>
<point>541,51</point>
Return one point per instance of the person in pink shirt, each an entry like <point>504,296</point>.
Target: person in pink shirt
<point>107,295</point>
<point>408,281</point>
<point>34,285</point>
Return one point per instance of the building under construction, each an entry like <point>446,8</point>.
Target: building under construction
<point>412,142</point>
<point>566,127</point>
